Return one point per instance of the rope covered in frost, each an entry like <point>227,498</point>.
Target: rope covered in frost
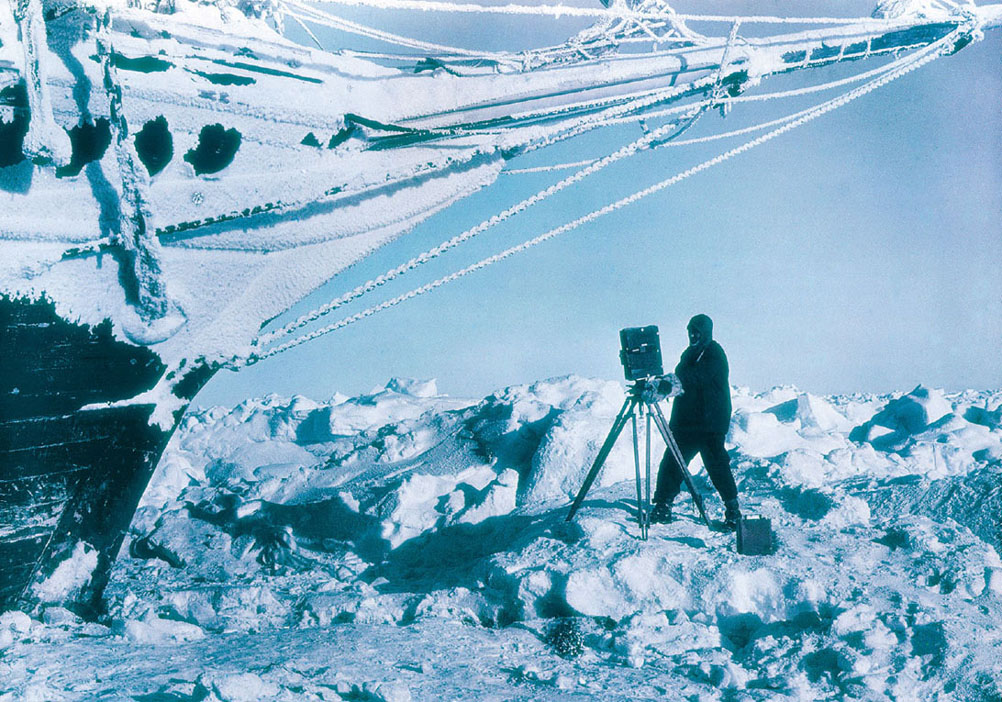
<point>592,167</point>
<point>306,29</point>
<point>904,67</point>
<point>568,11</point>
<point>299,12</point>
<point>682,142</point>
<point>615,115</point>
<point>709,137</point>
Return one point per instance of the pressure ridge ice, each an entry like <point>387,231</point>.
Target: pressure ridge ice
<point>409,545</point>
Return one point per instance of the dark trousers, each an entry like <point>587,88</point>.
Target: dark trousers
<point>718,465</point>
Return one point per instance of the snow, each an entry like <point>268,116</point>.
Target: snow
<point>72,574</point>
<point>154,630</point>
<point>423,538</point>
<point>926,9</point>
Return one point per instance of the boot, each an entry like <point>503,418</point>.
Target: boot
<point>732,514</point>
<point>661,514</point>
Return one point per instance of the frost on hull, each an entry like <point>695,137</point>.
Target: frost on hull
<point>228,199</point>
<point>44,141</point>
<point>70,478</point>
<point>278,166</point>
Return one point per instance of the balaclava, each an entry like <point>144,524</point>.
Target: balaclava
<point>704,325</point>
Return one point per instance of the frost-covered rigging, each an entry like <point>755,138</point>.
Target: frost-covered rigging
<point>318,156</point>
<point>712,86</point>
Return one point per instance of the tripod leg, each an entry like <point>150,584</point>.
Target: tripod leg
<point>603,453</point>
<point>641,511</point>
<point>662,425</point>
<point>647,436</point>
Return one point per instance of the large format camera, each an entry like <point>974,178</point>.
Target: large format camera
<point>641,352</point>
<point>641,358</point>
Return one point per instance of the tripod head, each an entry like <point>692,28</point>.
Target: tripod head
<point>656,388</point>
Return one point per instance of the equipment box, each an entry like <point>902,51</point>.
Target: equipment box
<point>754,536</point>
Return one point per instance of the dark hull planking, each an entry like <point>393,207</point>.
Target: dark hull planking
<point>70,478</point>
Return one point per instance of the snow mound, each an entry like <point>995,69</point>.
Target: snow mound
<point>904,417</point>
<point>153,630</point>
<point>406,507</point>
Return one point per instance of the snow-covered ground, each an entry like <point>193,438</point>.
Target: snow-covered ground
<point>408,545</point>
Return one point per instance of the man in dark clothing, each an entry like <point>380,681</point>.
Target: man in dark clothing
<point>700,418</point>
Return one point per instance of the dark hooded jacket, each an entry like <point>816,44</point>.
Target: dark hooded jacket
<point>705,403</point>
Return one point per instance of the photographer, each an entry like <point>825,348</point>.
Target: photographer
<point>700,418</point>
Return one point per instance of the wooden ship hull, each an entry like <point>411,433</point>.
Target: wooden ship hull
<point>211,179</point>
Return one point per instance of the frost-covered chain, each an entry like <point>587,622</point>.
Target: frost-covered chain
<point>423,258</point>
<point>568,11</point>
<point>905,66</point>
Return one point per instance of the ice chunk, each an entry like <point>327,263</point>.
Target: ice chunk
<point>410,386</point>
<point>497,499</point>
<point>15,621</point>
<point>740,592</point>
<point>851,511</point>
<point>153,630</point>
<point>762,435</point>
<point>70,576</point>
<point>913,412</point>
<point>386,692</point>
<point>629,585</point>
<point>811,413</point>
<point>236,687</point>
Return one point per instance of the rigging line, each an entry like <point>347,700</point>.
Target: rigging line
<point>483,226</point>
<point>594,121</point>
<point>320,16</point>
<point>912,63</point>
<point>406,58</point>
<point>682,142</point>
<point>317,16</point>
<point>662,95</point>
<point>568,11</point>
<point>654,96</point>
<point>554,167</point>
<point>308,31</point>
<point>373,33</point>
<point>775,95</point>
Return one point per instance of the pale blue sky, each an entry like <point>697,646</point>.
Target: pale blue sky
<point>857,253</point>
